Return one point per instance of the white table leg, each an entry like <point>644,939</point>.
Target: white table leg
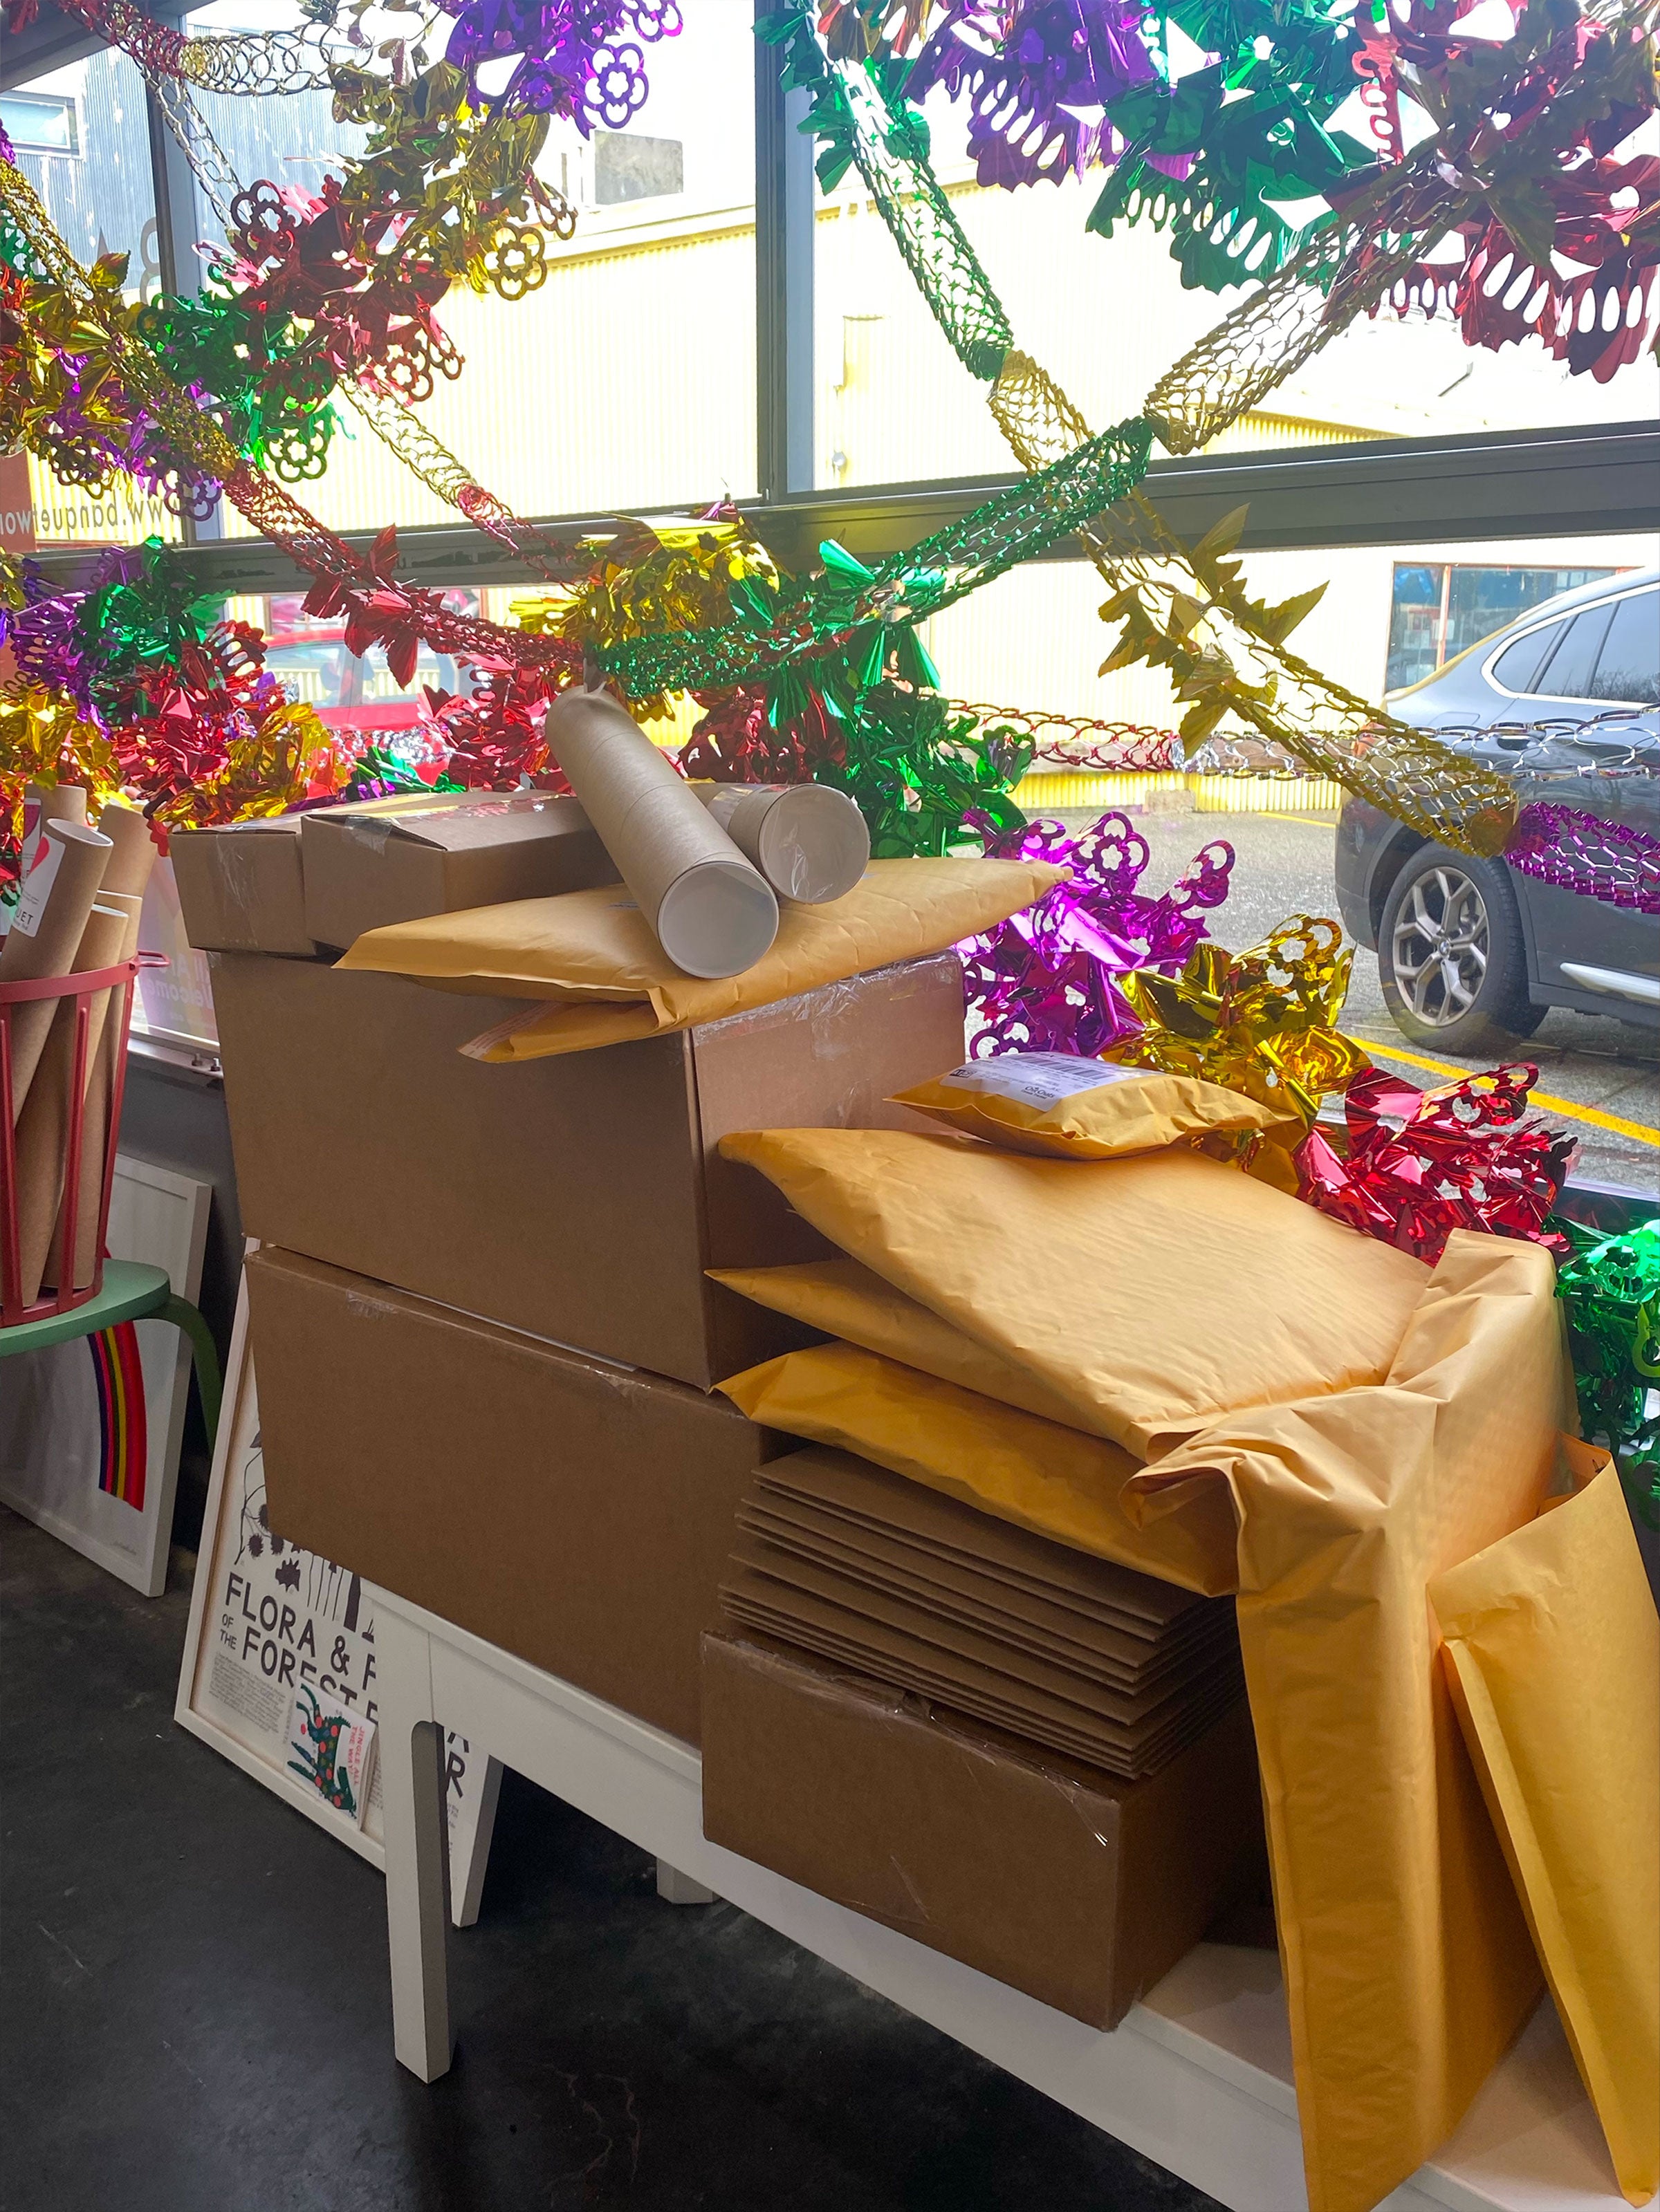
<point>466,1894</point>
<point>417,1841</point>
<point>676,1888</point>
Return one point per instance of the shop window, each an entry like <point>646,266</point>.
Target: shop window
<point>1107,317</point>
<point>627,167</point>
<point>82,141</point>
<point>626,380</point>
<point>40,123</point>
<point>1440,609</point>
<point>359,698</point>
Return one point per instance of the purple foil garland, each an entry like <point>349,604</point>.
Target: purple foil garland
<point>1028,71</point>
<point>1045,981</point>
<point>1582,853</point>
<point>574,61</point>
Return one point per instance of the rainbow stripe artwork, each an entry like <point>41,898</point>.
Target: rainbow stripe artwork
<point>124,1442</point>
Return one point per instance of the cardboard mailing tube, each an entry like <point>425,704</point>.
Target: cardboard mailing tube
<point>808,841</point>
<point>46,931</point>
<point>126,873</point>
<point>105,1034</point>
<point>128,867</point>
<point>714,914</point>
<point>49,802</point>
<point>44,1124</point>
<point>44,803</point>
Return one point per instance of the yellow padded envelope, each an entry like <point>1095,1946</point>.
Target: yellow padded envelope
<point>1552,1649</point>
<point>1408,1967</point>
<point>848,1300</point>
<point>593,953</point>
<point>1149,1295</point>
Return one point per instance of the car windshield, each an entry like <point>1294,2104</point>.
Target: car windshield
<point>1628,669</point>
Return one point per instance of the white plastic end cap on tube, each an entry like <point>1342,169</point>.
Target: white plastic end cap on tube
<point>813,846</point>
<point>716,920</point>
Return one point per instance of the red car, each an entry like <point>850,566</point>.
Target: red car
<point>349,693</point>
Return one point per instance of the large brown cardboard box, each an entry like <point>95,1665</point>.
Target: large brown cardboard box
<point>580,1197</point>
<point>364,870</point>
<point>575,1513</point>
<point>1080,1890</point>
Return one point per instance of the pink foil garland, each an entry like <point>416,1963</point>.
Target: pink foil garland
<point>1424,1163</point>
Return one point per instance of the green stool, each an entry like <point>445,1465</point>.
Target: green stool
<point>131,1292</point>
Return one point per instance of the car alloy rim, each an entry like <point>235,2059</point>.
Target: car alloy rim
<point>1439,947</point>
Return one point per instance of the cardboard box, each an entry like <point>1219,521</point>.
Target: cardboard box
<point>580,1198</point>
<point>364,870</point>
<point>241,886</point>
<point>575,1513</point>
<point>1078,1889</point>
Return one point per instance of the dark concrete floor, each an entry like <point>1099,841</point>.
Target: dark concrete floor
<point>196,2009</point>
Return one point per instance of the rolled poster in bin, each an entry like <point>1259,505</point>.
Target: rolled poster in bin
<point>714,914</point>
<point>43,1127</point>
<point>125,876</point>
<point>45,934</point>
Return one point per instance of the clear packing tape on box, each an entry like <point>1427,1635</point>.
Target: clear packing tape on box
<point>1329,1508</point>
<point>592,954</point>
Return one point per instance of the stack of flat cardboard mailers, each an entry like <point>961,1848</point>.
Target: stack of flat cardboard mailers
<point>838,1557</point>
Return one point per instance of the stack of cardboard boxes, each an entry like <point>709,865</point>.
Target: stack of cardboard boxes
<point>484,1333</point>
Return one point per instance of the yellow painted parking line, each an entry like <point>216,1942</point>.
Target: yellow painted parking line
<point>1594,1114</point>
<point>1314,821</point>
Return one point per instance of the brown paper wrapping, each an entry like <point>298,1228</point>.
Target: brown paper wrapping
<point>809,842</point>
<point>44,935</point>
<point>712,912</point>
<point>101,1085</point>
<point>43,1127</point>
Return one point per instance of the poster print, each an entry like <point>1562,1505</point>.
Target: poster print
<point>280,1640</point>
<point>90,1430</point>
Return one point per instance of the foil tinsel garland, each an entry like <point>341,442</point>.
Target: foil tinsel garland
<point>1263,1022</point>
<point>1421,1164</point>
<point>1051,978</point>
<point>1610,1288</point>
<point>133,685</point>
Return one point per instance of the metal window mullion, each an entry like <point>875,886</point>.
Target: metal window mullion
<point>783,280</point>
<point>177,228</point>
<point>1566,483</point>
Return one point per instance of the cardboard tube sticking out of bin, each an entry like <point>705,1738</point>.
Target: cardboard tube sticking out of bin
<point>106,1035</point>
<point>714,913</point>
<point>808,841</point>
<point>45,934</point>
<point>50,802</point>
<point>128,867</point>
<point>43,1126</point>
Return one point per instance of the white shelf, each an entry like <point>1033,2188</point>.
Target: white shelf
<point>1198,2076</point>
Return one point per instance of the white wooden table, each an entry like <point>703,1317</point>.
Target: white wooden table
<point>1197,2077</point>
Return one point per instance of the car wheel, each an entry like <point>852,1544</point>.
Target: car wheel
<point>1450,955</point>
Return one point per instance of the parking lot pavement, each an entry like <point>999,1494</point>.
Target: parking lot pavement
<point>1594,1070</point>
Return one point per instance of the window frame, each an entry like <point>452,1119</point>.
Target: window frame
<point>1580,480</point>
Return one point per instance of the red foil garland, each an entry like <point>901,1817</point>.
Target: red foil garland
<point>1424,1163</point>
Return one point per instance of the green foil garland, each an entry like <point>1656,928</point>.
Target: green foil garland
<point>1610,1286</point>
